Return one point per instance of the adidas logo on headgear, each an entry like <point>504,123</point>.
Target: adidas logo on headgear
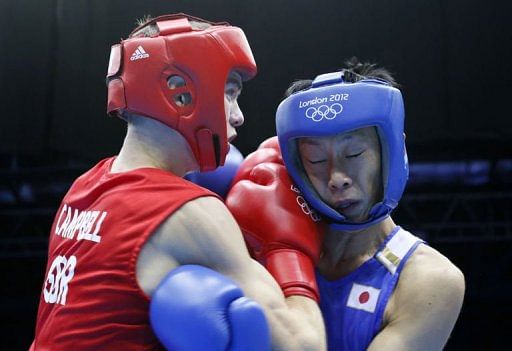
<point>140,53</point>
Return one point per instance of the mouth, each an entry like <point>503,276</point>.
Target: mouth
<point>345,205</point>
<point>231,137</point>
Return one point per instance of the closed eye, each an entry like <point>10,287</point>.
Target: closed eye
<point>232,93</point>
<point>356,154</point>
<point>316,162</point>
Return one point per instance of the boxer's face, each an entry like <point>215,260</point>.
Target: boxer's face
<point>345,170</point>
<point>234,116</point>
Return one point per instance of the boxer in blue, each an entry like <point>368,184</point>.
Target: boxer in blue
<point>342,142</point>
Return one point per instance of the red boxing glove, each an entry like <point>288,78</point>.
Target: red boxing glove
<point>281,230</point>
<point>268,151</point>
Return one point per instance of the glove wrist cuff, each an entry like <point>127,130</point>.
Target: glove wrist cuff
<point>294,271</point>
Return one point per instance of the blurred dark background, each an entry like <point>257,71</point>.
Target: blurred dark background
<point>451,57</point>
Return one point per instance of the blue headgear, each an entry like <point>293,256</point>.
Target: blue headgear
<point>332,106</point>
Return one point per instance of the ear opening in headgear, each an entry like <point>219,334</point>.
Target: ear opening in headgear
<point>183,99</point>
<point>176,82</point>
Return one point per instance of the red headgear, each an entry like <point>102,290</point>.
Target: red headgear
<point>177,76</point>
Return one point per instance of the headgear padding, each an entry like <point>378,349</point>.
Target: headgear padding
<point>331,106</point>
<point>177,76</point>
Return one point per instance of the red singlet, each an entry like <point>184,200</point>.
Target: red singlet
<point>90,298</point>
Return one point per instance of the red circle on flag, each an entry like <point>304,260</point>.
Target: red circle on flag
<point>364,297</point>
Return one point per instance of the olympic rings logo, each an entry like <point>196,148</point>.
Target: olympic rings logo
<point>324,111</point>
<point>304,206</point>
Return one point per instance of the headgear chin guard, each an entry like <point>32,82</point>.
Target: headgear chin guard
<point>177,76</point>
<point>332,106</point>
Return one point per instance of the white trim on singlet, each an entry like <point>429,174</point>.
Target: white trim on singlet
<point>396,249</point>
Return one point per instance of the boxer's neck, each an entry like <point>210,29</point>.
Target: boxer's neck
<point>149,143</point>
<point>344,252</point>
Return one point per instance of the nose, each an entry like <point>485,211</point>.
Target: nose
<point>236,117</point>
<point>339,180</point>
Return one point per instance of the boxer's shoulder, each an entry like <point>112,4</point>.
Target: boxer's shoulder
<point>198,226</point>
<point>425,304</point>
<point>429,268</point>
<point>200,219</point>
<point>199,216</point>
<point>429,284</point>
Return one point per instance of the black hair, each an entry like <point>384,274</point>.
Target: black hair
<point>353,71</point>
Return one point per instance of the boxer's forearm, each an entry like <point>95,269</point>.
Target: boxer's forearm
<point>311,315</point>
<point>222,248</point>
<point>295,322</point>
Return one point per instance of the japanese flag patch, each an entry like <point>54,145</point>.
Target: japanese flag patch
<point>363,297</point>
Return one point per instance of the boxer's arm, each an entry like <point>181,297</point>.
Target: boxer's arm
<point>425,305</point>
<point>203,232</point>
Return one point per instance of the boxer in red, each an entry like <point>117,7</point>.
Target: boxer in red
<point>140,258</point>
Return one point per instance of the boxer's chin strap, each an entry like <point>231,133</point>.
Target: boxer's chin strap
<point>209,150</point>
<point>116,99</point>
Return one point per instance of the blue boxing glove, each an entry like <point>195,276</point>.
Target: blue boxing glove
<point>195,308</point>
<point>219,180</point>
